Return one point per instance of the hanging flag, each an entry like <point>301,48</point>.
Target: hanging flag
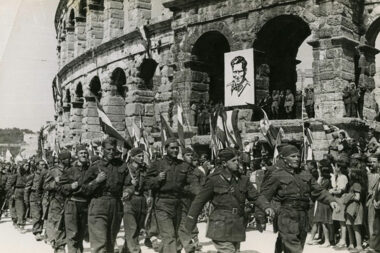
<point>307,146</point>
<point>232,127</point>
<point>8,156</point>
<point>279,137</point>
<point>108,128</point>
<point>270,132</point>
<point>166,131</point>
<point>180,125</point>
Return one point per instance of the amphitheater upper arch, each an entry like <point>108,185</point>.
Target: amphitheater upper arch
<point>198,31</point>
<point>302,13</point>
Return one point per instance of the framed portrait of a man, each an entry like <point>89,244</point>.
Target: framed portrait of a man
<point>239,88</point>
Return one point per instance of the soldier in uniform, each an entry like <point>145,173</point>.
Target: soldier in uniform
<point>347,100</point>
<point>167,178</point>
<point>19,192</point>
<point>293,189</point>
<point>57,202</point>
<point>135,204</point>
<point>35,198</point>
<point>10,188</point>
<point>228,191</point>
<point>104,182</point>
<point>76,205</point>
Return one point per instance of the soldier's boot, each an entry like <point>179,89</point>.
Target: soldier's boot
<point>38,237</point>
<point>148,243</point>
<point>22,229</point>
<point>60,250</point>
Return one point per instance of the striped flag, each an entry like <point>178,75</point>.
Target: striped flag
<point>180,125</point>
<point>232,129</point>
<point>307,145</point>
<point>166,131</point>
<point>279,137</point>
<point>266,128</point>
<point>109,129</point>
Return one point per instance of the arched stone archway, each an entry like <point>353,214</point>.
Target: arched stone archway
<point>91,124</point>
<point>276,47</point>
<point>208,55</point>
<point>79,91</point>
<point>113,100</point>
<point>96,88</point>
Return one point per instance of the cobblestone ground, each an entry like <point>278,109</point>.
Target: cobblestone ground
<point>12,241</point>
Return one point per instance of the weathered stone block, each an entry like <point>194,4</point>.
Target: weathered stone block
<point>91,121</point>
<point>149,109</point>
<point>134,109</point>
<point>114,110</point>
<point>113,101</point>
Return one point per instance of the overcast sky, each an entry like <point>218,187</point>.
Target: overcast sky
<point>28,62</point>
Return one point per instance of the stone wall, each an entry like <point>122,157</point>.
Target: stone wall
<point>125,34</point>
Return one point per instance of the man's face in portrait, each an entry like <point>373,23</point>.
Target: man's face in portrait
<point>238,73</point>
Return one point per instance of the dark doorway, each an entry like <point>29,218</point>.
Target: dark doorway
<point>118,79</point>
<point>96,88</point>
<point>209,51</point>
<point>277,46</point>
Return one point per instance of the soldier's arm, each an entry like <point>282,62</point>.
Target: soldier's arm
<point>269,186</point>
<point>320,194</point>
<point>152,181</point>
<point>65,181</point>
<point>200,200</point>
<point>193,182</point>
<point>89,182</point>
<point>258,199</point>
<point>49,183</point>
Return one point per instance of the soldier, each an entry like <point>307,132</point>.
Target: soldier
<point>76,205</point>
<point>19,197</point>
<point>347,100</point>
<point>228,191</point>
<point>10,188</point>
<point>104,182</point>
<point>354,100</point>
<point>167,179</point>
<point>135,205</point>
<point>293,189</point>
<point>35,198</point>
<point>57,201</point>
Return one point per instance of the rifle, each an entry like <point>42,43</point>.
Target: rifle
<point>27,213</point>
<point>61,222</point>
<point>46,211</point>
<point>3,207</point>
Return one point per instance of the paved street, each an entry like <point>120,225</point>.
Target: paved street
<point>12,241</point>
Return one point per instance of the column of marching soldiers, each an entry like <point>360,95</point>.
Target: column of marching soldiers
<point>76,198</point>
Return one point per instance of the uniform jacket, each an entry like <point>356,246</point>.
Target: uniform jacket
<point>228,194</point>
<point>347,95</point>
<point>51,182</point>
<point>116,172</point>
<point>76,173</point>
<point>139,176</point>
<point>286,186</point>
<point>178,175</point>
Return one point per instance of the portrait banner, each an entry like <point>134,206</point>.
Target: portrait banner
<point>239,88</point>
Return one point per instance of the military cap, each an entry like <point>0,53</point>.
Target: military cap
<point>135,151</point>
<point>287,150</point>
<point>81,148</point>
<point>324,163</point>
<point>188,151</point>
<point>227,154</point>
<point>64,155</point>
<point>343,160</point>
<point>110,141</point>
<point>170,140</point>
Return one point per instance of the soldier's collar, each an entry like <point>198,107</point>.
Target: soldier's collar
<point>228,176</point>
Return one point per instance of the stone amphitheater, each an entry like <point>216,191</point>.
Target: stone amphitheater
<point>137,58</point>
